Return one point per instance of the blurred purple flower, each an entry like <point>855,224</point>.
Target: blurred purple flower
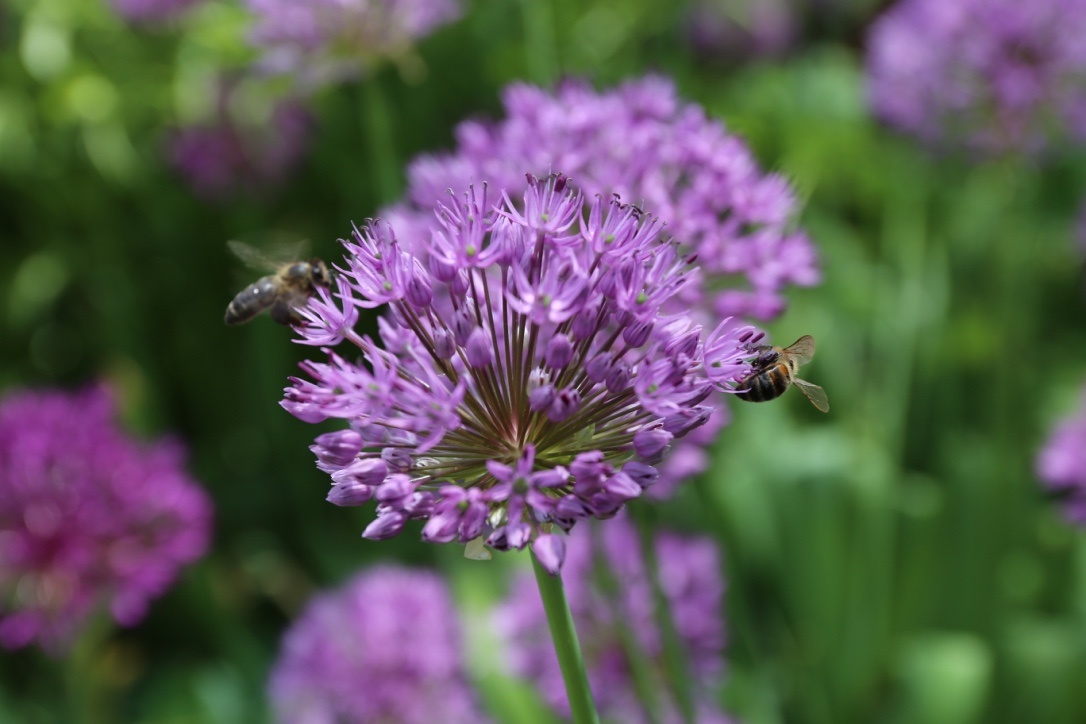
<point>325,41</point>
<point>1062,464</point>
<point>151,11</point>
<point>87,516</point>
<point>690,577</point>
<point>533,367</point>
<point>385,647</point>
<point>233,153</point>
<point>991,75</point>
<point>739,31</point>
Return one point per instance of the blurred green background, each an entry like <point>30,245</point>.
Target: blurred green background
<point>894,561</point>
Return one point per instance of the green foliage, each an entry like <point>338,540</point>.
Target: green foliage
<point>891,562</point>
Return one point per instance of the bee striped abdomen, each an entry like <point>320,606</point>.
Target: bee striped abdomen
<point>768,385</point>
<point>251,301</point>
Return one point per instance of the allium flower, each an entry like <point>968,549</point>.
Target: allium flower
<point>528,374</point>
<point>87,517</point>
<point>1062,464</point>
<point>151,11</point>
<point>614,602</point>
<point>383,648</point>
<point>328,40</point>
<point>993,75</point>
<point>241,148</point>
<point>641,142</point>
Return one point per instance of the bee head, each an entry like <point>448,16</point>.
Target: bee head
<point>319,273</point>
<point>766,357</point>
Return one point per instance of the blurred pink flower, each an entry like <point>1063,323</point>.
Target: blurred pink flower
<point>88,517</point>
<point>991,75</point>
<point>385,647</point>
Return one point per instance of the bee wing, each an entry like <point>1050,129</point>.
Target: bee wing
<point>814,393</point>
<point>802,350</point>
<point>270,261</point>
<point>250,256</point>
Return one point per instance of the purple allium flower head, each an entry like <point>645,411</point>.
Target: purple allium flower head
<point>641,142</point>
<point>241,148</point>
<point>469,443</point>
<point>322,41</point>
<point>88,517</point>
<point>603,601</point>
<point>385,647</point>
<point>151,11</point>
<point>993,75</point>
<point>1062,464</point>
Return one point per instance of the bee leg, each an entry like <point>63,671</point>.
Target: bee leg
<point>283,313</point>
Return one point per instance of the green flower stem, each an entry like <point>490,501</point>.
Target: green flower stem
<point>377,127</point>
<point>566,645</point>
<point>675,659</point>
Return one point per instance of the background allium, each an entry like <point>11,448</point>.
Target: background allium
<point>993,75</point>
<point>528,374</point>
<point>328,40</point>
<point>641,142</point>
<point>244,147</point>
<point>88,517</point>
<point>1062,464</point>
<point>690,577</point>
<point>385,647</point>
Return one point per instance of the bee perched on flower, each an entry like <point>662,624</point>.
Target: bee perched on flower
<point>530,374</point>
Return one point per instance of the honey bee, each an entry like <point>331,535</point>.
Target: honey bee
<point>290,286</point>
<point>775,369</point>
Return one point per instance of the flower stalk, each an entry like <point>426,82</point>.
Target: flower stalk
<point>566,646</point>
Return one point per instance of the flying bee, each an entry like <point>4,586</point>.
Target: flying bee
<point>775,369</point>
<point>290,286</point>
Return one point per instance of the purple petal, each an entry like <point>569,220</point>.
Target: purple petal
<point>550,551</point>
